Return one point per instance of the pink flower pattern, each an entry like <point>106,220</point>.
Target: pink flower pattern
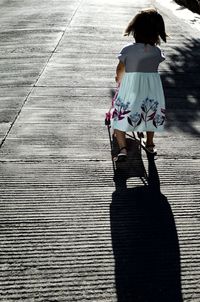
<point>149,113</point>
<point>120,109</point>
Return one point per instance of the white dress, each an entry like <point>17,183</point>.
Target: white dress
<point>140,103</point>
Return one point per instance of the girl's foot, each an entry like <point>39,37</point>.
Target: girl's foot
<point>122,155</point>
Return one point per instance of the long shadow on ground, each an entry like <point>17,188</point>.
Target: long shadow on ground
<point>145,244</point>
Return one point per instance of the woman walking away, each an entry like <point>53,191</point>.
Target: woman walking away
<point>140,103</point>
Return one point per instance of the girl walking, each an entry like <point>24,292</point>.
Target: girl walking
<point>140,103</point>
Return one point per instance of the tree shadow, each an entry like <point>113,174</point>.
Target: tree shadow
<point>181,85</point>
<point>145,243</point>
<point>194,5</point>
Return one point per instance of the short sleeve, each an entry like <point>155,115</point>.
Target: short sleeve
<point>162,55</point>
<point>122,55</point>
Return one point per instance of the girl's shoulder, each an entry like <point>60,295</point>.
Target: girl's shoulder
<point>128,47</point>
<point>131,46</point>
<point>160,52</point>
<point>157,47</point>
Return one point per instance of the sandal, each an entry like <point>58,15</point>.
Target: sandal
<point>121,157</point>
<point>151,149</point>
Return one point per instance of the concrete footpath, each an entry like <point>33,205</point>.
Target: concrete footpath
<point>66,233</point>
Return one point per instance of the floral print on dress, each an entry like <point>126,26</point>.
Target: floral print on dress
<point>134,119</point>
<point>159,119</point>
<point>148,114</point>
<point>120,110</point>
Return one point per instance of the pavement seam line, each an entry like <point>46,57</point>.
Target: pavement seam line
<point>40,74</point>
<point>52,53</point>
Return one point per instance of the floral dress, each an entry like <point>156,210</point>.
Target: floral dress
<point>140,103</point>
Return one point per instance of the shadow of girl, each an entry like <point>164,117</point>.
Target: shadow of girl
<point>145,244</point>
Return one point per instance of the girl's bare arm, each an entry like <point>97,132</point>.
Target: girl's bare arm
<point>119,72</point>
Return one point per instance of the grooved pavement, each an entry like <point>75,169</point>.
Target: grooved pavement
<point>66,234</point>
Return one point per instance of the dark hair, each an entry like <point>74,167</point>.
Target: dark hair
<point>147,27</point>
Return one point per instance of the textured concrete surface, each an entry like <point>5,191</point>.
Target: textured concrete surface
<point>66,233</point>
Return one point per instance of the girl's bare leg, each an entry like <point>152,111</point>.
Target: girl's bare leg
<point>121,140</point>
<point>150,136</point>
<point>149,143</point>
